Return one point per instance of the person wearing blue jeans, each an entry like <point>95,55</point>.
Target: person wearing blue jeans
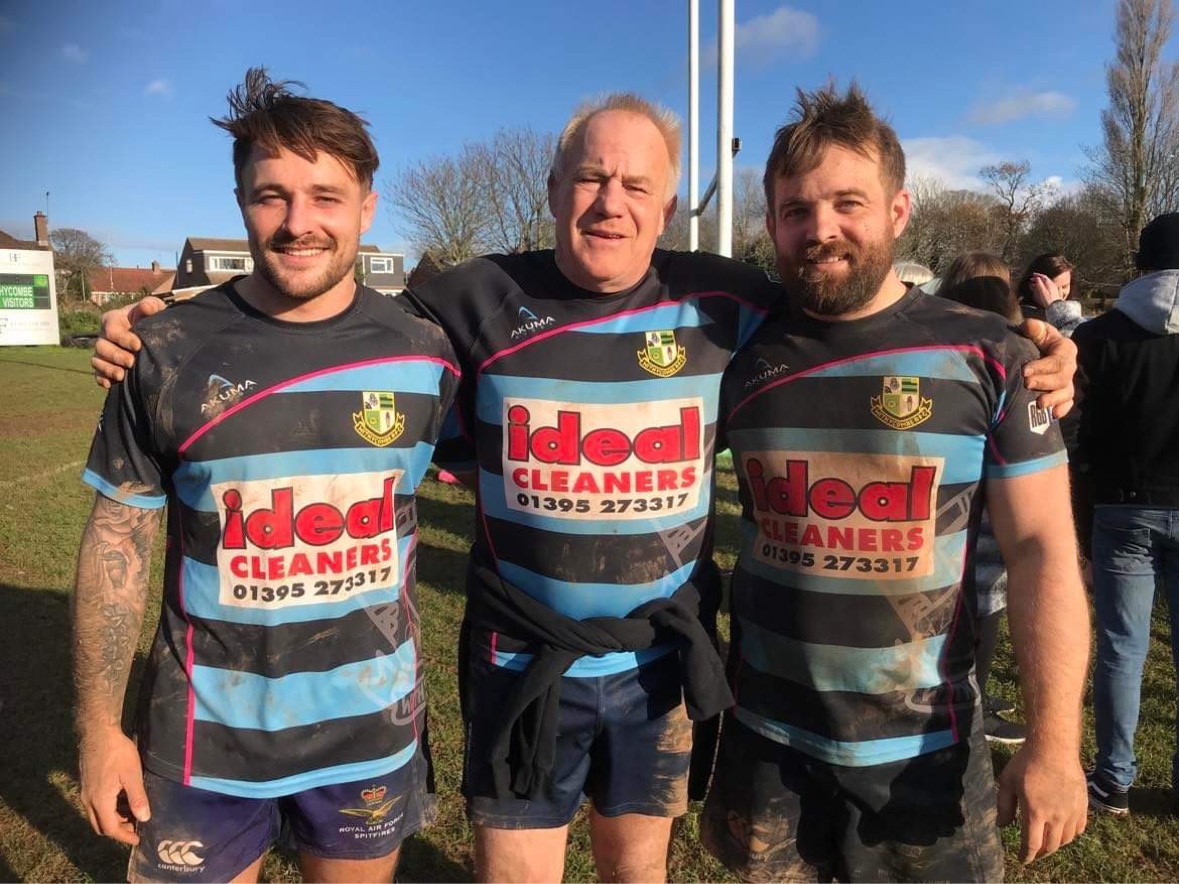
<point>1128,455</point>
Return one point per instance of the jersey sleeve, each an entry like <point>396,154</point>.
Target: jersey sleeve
<point>123,464</point>
<point>1023,438</point>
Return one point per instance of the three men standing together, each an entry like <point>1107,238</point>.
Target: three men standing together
<point>593,394</point>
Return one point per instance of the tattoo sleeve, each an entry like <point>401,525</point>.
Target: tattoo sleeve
<point>109,601</point>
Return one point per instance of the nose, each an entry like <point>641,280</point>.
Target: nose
<point>609,201</point>
<point>299,219</point>
<point>822,223</point>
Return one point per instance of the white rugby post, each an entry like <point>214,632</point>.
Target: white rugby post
<point>726,145</point>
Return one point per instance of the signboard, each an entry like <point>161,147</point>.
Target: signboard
<point>28,298</point>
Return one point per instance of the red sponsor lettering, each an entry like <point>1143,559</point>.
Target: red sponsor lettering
<point>280,525</point>
<point>565,444</point>
<point>279,567</point>
<point>605,483</point>
<point>792,533</point>
<point>833,498</point>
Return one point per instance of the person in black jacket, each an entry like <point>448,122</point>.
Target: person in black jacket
<point>1129,456</point>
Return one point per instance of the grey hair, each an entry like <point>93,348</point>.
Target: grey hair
<point>663,119</point>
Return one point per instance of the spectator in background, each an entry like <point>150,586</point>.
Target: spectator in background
<point>1129,454</point>
<point>1044,292</point>
<point>983,281</point>
<point>913,274</point>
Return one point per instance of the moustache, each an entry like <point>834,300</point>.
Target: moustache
<point>832,250</point>
<point>279,242</point>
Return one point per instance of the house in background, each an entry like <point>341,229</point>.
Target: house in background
<point>107,283</point>
<point>206,262</point>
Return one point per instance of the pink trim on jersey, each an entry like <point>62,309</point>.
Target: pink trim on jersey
<point>587,322</point>
<point>189,662</point>
<point>277,388</point>
<point>964,348</point>
<point>411,552</point>
<point>494,644</point>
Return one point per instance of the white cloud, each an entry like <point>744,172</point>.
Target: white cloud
<point>784,34</point>
<point>954,160</point>
<point>75,53</point>
<point>160,87</point>
<point>1022,104</point>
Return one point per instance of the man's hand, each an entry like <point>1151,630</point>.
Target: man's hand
<point>1051,797</point>
<point>115,350</point>
<point>1054,371</point>
<point>109,765</point>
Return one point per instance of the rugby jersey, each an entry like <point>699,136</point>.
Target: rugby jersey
<point>593,422</point>
<point>288,455</point>
<point>861,448</point>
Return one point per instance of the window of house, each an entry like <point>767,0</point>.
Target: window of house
<point>240,265</point>
<point>380,265</point>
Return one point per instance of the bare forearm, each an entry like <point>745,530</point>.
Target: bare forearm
<point>109,601</point>
<point>1049,622</point>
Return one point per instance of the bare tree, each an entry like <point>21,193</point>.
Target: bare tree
<point>75,254</point>
<point>1138,161</point>
<point>945,223</point>
<point>1083,228</point>
<point>1019,201</point>
<point>514,169</point>
<point>444,206</point>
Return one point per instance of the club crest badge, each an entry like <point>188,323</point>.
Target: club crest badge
<point>376,808</point>
<point>662,356</point>
<point>900,405</point>
<point>378,422</point>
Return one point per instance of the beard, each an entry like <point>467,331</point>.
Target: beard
<point>828,294</point>
<point>307,284</point>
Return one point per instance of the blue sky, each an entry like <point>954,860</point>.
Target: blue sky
<point>106,106</point>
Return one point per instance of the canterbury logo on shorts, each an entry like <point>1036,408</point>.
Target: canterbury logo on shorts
<point>180,853</point>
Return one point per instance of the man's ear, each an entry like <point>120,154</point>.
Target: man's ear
<point>552,186</point>
<point>770,226</point>
<point>669,212</point>
<point>368,209</point>
<point>902,210</point>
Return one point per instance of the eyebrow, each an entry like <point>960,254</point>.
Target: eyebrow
<point>599,171</point>
<point>847,191</point>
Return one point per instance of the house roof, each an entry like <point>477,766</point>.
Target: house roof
<point>129,279</point>
<point>11,242</point>
<point>212,244</point>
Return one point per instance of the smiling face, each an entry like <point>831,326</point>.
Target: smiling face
<point>304,221</point>
<point>611,202</point>
<point>833,230</point>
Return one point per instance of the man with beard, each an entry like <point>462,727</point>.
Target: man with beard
<point>856,750</point>
<point>285,419</point>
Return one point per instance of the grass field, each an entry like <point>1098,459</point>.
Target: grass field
<point>50,405</point>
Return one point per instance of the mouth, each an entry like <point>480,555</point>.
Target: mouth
<point>605,235</point>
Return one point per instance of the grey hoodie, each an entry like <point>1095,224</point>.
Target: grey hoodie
<point>1152,301</point>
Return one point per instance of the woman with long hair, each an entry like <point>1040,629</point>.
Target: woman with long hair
<point>1044,292</point>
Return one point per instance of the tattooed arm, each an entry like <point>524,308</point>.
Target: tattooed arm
<point>109,601</point>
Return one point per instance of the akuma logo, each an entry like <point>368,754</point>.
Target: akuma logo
<point>765,372</point>
<point>529,323</point>
<point>221,393</point>
<point>180,853</point>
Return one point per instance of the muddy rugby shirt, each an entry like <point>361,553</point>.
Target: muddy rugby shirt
<point>593,423</point>
<point>861,448</point>
<point>288,455</point>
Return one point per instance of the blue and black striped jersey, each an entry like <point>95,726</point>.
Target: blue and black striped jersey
<point>288,455</point>
<point>592,418</point>
<point>862,448</point>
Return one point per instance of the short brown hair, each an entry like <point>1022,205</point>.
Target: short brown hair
<point>981,280</point>
<point>268,116</point>
<point>823,119</point>
<point>663,119</point>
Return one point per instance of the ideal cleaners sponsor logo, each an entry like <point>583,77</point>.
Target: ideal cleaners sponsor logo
<point>662,356</point>
<point>589,461</point>
<point>378,421</point>
<point>900,405</point>
<point>863,516</point>
<point>305,541</point>
<point>180,856</point>
<point>530,323</point>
